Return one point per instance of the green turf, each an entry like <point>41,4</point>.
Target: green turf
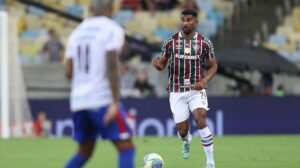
<point>230,152</point>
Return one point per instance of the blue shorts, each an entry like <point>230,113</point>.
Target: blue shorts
<point>89,125</point>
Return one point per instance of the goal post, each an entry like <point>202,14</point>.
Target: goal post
<point>4,76</point>
<point>15,115</point>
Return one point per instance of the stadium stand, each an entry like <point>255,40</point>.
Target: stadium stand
<point>218,19</point>
<point>161,24</point>
<point>158,26</point>
<point>286,39</point>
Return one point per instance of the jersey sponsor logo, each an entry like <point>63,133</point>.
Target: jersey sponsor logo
<point>192,57</point>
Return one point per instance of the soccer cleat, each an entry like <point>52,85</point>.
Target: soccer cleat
<point>209,165</point>
<point>185,150</point>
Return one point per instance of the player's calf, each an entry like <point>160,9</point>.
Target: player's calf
<point>126,152</point>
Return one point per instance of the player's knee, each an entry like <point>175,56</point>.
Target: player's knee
<point>86,151</point>
<point>200,115</point>
<point>126,148</point>
<point>124,144</point>
<point>183,132</point>
<point>86,154</point>
<point>201,121</point>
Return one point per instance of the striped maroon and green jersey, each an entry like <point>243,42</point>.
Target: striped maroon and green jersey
<point>186,60</point>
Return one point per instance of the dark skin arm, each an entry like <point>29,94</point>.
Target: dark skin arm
<point>69,68</point>
<point>213,67</point>
<point>159,63</point>
<point>113,78</point>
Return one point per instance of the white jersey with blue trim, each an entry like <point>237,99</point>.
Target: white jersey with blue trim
<point>87,47</point>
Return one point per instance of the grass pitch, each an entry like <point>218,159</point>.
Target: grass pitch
<point>230,152</point>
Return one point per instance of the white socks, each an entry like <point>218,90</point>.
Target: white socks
<point>187,139</point>
<point>207,142</point>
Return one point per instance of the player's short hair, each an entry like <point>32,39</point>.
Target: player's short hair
<point>190,12</point>
<point>99,5</point>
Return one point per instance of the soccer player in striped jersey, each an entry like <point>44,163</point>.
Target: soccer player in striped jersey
<point>185,53</point>
<point>92,64</point>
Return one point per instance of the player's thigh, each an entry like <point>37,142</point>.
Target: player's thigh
<point>84,129</point>
<point>179,107</point>
<point>199,115</point>
<point>198,100</point>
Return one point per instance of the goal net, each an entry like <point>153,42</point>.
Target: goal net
<point>15,115</point>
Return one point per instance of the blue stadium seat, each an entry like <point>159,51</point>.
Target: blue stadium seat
<point>163,33</point>
<point>36,11</point>
<point>2,4</point>
<point>277,39</point>
<point>123,16</point>
<point>208,27</point>
<point>218,16</point>
<point>296,55</point>
<point>75,10</point>
<point>24,59</point>
<point>30,34</point>
<point>284,53</point>
<point>205,5</point>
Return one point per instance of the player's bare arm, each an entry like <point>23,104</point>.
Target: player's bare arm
<point>113,77</point>
<point>159,63</point>
<point>213,67</point>
<point>69,68</point>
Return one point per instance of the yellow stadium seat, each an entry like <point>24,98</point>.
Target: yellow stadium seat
<point>164,20</point>
<point>285,30</point>
<point>66,3</point>
<point>28,47</point>
<point>271,46</point>
<point>83,2</point>
<point>297,27</point>
<point>289,20</point>
<point>294,38</point>
<point>296,11</point>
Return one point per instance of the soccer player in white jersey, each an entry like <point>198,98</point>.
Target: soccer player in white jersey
<point>185,52</point>
<point>92,64</point>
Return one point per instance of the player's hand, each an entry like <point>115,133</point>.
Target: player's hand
<point>111,113</point>
<point>156,63</point>
<point>199,85</point>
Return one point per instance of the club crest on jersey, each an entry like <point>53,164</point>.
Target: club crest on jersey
<point>196,47</point>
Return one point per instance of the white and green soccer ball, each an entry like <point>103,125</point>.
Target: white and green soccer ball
<point>153,160</point>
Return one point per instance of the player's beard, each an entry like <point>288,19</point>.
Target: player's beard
<point>187,31</point>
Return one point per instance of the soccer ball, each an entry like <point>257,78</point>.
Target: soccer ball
<point>153,160</point>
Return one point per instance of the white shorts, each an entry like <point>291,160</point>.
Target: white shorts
<point>183,102</point>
